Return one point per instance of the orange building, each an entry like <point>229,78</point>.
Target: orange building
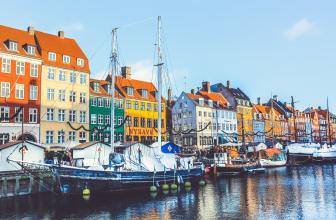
<point>20,79</point>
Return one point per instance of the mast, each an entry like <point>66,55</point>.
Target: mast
<point>294,118</point>
<point>329,133</point>
<point>113,57</point>
<point>272,121</point>
<point>159,72</point>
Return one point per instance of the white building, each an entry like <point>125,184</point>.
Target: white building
<point>203,119</point>
<point>30,152</point>
<point>92,153</point>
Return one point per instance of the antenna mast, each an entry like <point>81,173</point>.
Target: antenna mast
<point>113,57</point>
<point>159,65</point>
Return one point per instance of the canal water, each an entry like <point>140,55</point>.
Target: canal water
<point>300,192</point>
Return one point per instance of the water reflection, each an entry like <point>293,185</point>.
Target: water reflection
<point>306,192</point>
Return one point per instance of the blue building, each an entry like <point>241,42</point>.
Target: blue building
<point>258,126</point>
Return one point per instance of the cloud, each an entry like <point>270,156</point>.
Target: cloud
<point>143,70</point>
<point>299,29</point>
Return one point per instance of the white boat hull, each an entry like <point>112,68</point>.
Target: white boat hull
<point>271,163</point>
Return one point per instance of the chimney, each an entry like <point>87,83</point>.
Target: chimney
<point>275,97</point>
<point>192,91</point>
<point>169,95</point>
<point>31,30</point>
<point>258,101</point>
<point>285,104</point>
<point>61,34</point>
<point>228,84</point>
<point>206,86</point>
<point>126,72</point>
<point>319,108</point>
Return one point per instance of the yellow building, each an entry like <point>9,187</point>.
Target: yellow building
<point>141,108</point>
<point>64,91</point>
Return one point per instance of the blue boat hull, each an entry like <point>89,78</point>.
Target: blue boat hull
<point>74,180</point>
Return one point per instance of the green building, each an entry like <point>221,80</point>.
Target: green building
<point>100,112</point>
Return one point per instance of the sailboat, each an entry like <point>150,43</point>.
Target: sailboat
<point>140,168</point>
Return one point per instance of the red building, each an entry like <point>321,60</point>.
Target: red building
<point>20,72</point>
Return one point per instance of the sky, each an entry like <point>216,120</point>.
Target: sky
<point>285,48</point>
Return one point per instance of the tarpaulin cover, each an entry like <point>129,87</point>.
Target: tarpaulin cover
<point>170,148</point>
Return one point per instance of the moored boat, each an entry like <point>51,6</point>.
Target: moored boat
<point>325,154</point>
<point>272,157</point>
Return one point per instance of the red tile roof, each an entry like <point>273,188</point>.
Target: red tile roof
<point>61,46</point>
<point>122,83</point>
<point>102,91</point>
<point>214,96</point>
<point>21,37</point>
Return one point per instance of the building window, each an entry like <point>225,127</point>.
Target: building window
<point>107,119</point>
<point>61,75</point>
<point>61,115</point>
<point>61,95</point>
<point>6,65</point>
<point>82,97</point>
<point>128,104</point>
<point>129,121</point>
<point>33,92</point>
<point>155,123</point>
<point>142,106</point>
<point>93,118</point>
<point>72,135</point>
<point>12,46</point>
<point>107,103</point>
<point>96,87</point>
<point>94,101</point>
<point>82,117</point>
<point>19,117</point>
<point>66,59</point>
<point>144,93</point>
<point>72,77</point>
<point>51,73</point>
<point>19,91</point>
<point>120,104</point>
<point>82,79</point>
<point>120,120</point>
<point>4,113</point>
<point>50,114</point>
<point>130,91</point>
<point>100,119</point>
<point>136,122</point>
<point>72,115</point>
<point>149,107</point>
<point>5,89</point>
<point>142,122</point>
<point>100,102</point>
<point>52,56</point>
<point>32,115</point>
<point>155,107</point>
<point>49,137</point>
<point>80,62</point>
<point>72,96</point>
<point>31,50</point>
<point>33,70</point>
<point>60,137</point>
<point>50,94</point>
<point>20,68</point>
<point>149,123</point>
<point>136,105</point>
<point>82,136</point>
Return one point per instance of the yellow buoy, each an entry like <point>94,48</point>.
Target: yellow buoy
<point>152,189</point>
<point>173,186</point>
<point>86,192</point>
<point>165,187</point>
<point>187,184</point>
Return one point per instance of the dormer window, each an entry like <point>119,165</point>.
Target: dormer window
<point>52,56</point>
<point>31,50</point>
<point>80,62</point>
<point>144,93</point>
<point>210,103</point>
<point>130,91</point>
<point>66,59</point>
<point>96,87</point>
<point>201,101</point>
<point>12,46</point>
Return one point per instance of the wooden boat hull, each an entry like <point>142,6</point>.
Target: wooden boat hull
<point>233,169</point>
<point>75,180</point>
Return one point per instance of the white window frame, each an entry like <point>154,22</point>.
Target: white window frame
<point>80,62</point>
<point>12,46</point>
<point>6,65</point>
<point>93,119</point>
<point>82,116</point>
<point>33,92</point>
<point>82,78</point>
<point>51,56</point>
<point>31,49</point>
<point>33,115</point>
<point>50,94</point>
<point>61,95</point>
<point>19,91</point>
<point>61,75</point>
<point>61,115</point>
<point>66,59</point>
<point>33,70</point>
<point>5,89</point>
<point>20,68</point>
<point>4,112</point>
<point>51,73</point>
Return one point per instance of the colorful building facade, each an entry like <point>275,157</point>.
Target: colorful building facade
<point>141,108</point>
<point>64,91</point>
<point>20,82</point>
<point>100,113</point>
